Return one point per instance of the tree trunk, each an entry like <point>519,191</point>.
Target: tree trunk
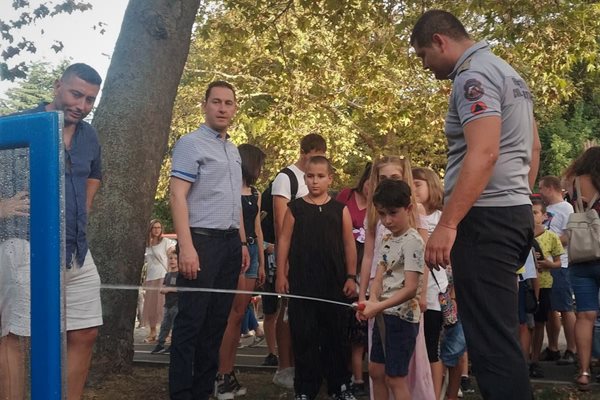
<point>133,121</point>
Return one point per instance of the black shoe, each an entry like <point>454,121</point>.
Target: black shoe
<point>569,358</point>
<point>465,385</point>
<point>550,355</point>
<point>535,371</point>
<point>301,397</point>
<point>344,394</point>
<point>238,390</point>
<point>224,387</point>
<point>359,389</point>
<point>158,349</point>
<point>166,350</point>
<point>271,361</point>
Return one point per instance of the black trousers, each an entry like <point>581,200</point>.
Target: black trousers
<point>491,244</point>
<point>202,317</point>
<point>321,345</point>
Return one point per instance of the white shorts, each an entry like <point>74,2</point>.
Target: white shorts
<point>82,291</point>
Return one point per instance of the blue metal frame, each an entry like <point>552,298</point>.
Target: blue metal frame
<point>43,135</point>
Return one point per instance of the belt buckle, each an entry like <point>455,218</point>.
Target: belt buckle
<point>250,240</point>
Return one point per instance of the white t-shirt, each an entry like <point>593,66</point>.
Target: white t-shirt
<point>156,259</point>
<point>558,223</point>
<point>433,303</point>
<point>282,187</point>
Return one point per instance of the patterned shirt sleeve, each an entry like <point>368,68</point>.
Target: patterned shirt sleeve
<point>557,247</point>
<point>475,96</point>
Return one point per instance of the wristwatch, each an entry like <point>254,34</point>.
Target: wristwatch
<point>244,243</point>
<point>351,276</point>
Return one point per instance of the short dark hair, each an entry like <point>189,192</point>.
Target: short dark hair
<point>436,21</point>
<point>536,201</point>
<point>322,160</point>
<point>552,181</point>
<point>253,159</point>
<point>391,193</point>
<point>312,141</point>
<point>222,84</point>
<point>83,71</point>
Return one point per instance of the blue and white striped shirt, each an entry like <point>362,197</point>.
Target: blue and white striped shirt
<point>214,168</point>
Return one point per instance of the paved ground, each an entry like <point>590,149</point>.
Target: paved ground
<point>252,352</point>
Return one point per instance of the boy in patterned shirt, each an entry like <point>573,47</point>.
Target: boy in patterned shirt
<point>394,298</point>
<point>547,252</point>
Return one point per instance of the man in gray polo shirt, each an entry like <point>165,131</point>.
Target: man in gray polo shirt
<point>205,187</point>
<point>486,228</point>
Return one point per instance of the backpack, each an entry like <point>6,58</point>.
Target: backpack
<point>266,205</point>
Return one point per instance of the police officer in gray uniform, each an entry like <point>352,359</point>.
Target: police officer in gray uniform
<point>486,228</point>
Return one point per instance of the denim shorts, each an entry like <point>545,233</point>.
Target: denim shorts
<point>585,280</point>
<point>452,345</point>
<point>400,339</point>
<point>252,272</point>
<point>561,297</point>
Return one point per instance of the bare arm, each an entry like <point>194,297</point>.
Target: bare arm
<point>243,238</point>
<point>189,263</point>
<point>261,252</point>
<point>349,252</point>
<point>283,251</point>
<point>535,157</point>
<point>483,145</point>
<point>279,209</point>
<point>365,266</point>
<point>91,188</point>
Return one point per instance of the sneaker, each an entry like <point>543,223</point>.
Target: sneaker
<point>535,370</point>
<point>460,394</point>
<point>344,394</point>
<point>301,397</point>
<point>270,361</point>
<point>569,358</point>
<point>465,385</point>
<point>284,378</point>
<point>359,389</point>
<point>167,350</point>
<point>550,355</point>
<point>224,387</point>
<point>238,390</point>
<point>158,349</point>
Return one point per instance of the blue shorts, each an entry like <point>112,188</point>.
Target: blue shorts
<point>561,297</point>
<point>400,339</point>
<point>585,281</point>
<point>452,345</point>
<point>252,272</point>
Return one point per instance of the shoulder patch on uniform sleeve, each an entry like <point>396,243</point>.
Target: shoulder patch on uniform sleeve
<point>473,89</point>
<point>478,107</point>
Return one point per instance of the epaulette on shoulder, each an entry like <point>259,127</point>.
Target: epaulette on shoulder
<point>464,66</point>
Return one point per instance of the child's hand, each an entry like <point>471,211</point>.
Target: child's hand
<point>350,288</point>
<point>423,303</point>
<point>282,285</point>
<point>371,310</point>
<point>261,276</point>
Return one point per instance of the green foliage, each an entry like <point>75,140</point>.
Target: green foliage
<point>29,14</point>
<point>36,88</point>
<point>345,69</point>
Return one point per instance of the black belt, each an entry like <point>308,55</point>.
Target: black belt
<point>222,233</point>
<point>251,240</point>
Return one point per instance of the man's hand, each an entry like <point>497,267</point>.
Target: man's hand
<point>245,259</point>
<point>189,263</point>
<point>282,285</point>
<point>350,288</point>
<point>437,251</point>
<point>16,206</point>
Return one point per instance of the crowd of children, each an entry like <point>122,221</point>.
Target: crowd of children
<point>367,246</point>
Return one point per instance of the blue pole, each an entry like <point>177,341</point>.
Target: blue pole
<point>42,134</point>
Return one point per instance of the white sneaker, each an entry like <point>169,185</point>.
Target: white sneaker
<point>460,394</point>
<point>284,378</point>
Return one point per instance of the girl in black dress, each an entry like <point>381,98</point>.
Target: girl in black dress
<point>318,243</point>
